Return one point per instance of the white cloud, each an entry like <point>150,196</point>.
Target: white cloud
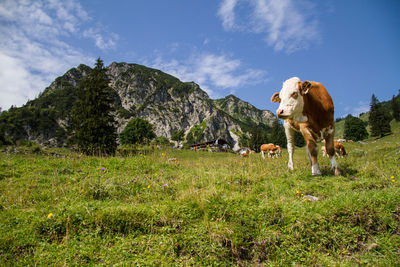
<point>287,26</point>
<point>215,74</point>
<point>100,42</point>
<point>227,14</point>
<point>35,47</point>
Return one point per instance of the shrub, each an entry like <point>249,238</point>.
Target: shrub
<point>137,131</point>
<point>354,129</point>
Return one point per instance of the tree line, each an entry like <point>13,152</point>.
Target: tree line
<point>379,117</point>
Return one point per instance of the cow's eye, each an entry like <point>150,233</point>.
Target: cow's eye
<point>294,95</point>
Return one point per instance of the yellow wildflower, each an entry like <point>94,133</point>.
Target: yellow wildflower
<point>50,215</point>
<point>148,186</point>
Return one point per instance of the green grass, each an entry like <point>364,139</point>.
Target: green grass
<point>179,207</point>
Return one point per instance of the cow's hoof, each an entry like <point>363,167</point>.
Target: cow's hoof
<point>315,170</point>
<point>337,172</point>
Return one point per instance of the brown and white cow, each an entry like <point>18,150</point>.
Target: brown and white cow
<point>339,150</point>
<point>307,107</point>
<point>244,152</point>
<point>271,150</point>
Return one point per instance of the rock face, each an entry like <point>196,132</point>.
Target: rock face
<point>167,103</point>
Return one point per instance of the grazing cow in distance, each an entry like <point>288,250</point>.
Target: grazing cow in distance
<point>308,108</point>
<point>339,150</point>
<point>244,152</point>
<point>271,150</point>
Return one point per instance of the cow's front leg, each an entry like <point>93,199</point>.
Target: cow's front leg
<point>290,143</point>
<point>330,149</point>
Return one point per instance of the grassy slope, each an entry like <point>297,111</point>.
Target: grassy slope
<point>214,208</point>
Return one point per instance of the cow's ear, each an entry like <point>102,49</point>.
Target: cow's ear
<point>275,98</point>
<point>304,87</point>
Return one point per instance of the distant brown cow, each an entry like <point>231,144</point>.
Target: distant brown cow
<point>271,150</point>
<point>307,107</point>
<point>339,149</point>
<point>244,152</point>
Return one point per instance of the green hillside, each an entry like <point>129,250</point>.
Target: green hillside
<point>182,208</point>
<point>339,126</point>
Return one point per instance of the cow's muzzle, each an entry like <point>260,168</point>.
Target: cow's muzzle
<point>280,114</point>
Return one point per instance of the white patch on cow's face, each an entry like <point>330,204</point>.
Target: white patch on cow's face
<point>292,103</point>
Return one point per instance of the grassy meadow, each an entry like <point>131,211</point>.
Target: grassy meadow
<point>180,207</point>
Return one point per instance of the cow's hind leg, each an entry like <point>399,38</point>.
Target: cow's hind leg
<point>330,149</point>
<point>312,151</point>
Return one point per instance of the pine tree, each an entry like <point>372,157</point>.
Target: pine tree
<point>299,139</point>
<point>354,129</point>
<point>379,118</point>
<point>395,103</point>
<point>93,124</point>
<point>278,136</point>
<point>257,138</point>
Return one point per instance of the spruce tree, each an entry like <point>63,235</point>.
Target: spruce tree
<point>354,129</point>
<point>93,123</point>
<point>395,103</point>
<point>379,118</point>
<point>257,138</point>
<point>278,136</point>
<point>299,139</point>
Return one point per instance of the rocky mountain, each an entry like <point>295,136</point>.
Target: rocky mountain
<point>166,102</point>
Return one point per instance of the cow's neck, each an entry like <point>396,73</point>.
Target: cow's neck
<point>300,118</point>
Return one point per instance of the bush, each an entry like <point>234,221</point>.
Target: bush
<point>161,140</point>
<point>178,136</point>
<point>137,131</point>
<point>354,129</point>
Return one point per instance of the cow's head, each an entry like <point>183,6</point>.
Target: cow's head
<point>291,98</point>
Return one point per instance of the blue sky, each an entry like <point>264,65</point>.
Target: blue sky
<point>244,47</point>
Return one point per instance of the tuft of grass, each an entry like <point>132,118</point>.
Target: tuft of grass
<point>179,207</point>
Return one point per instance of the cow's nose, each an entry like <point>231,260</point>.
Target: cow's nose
<point>279,112</point>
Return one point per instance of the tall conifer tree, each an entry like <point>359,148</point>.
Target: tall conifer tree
<point>396,107</point>
<point>379,118</point>
<point>257,138</point>
<point>93,123</point>
<point>278,136</point>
